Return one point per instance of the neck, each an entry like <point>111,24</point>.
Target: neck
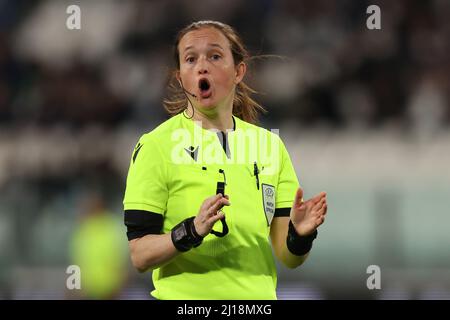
<point>220,120</point>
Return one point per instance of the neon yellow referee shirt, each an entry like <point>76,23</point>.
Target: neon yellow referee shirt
<point>175,167</point>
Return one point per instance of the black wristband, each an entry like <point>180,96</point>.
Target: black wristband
<point>299,245</point>
<point>184,236</point>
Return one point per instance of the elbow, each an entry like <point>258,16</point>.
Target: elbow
<point>141,270</point>
<point>293,264</point>
<point>291,261</point>
<point>138,264</point>
<point>289,264</point>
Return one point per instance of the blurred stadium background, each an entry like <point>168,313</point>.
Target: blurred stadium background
<point>364,113</point>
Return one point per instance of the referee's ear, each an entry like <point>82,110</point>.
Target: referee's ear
<point>241,69</point>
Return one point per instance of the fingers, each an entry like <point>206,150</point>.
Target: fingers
<point>209,213</point>
<point>320,220</point>
<point>319,205</point>
<point>320,210</point>
<point>217,206</point>
<point>325,208</point>
<point>318,197</point>
<point>311,202</point>
<point>211,200</point>
<point>212,220</point>
<point>298,200</point>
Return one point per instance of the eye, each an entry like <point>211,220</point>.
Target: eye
<point>190,59</point>
<point>216,56</point>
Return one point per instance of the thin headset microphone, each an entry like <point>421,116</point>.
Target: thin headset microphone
<point>195,97</point>
<point>191,94</point>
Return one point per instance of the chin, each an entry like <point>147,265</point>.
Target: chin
<point>207,104</point>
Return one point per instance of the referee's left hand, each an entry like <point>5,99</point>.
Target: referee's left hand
<point>307,216</point>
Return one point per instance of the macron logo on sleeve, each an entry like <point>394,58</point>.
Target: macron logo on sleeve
<point>136,151</point>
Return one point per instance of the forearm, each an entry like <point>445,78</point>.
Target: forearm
<point>152,251</point>
<point>279,233</point>
<point>290,260</point>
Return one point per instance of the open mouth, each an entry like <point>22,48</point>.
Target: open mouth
<point>204,87</point>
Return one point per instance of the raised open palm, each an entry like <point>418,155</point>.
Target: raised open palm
<point>307,216</point>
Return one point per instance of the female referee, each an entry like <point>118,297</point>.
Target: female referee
<point>207,188</point>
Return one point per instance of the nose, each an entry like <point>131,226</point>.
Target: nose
<point>202,66</point>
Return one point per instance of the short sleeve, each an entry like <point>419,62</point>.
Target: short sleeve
<point>146,186</point>
<point>287,181</point>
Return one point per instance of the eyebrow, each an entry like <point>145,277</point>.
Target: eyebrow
<point>211,45</point>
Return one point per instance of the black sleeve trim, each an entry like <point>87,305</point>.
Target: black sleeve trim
<point>141,223</point>
<point>282,212</point>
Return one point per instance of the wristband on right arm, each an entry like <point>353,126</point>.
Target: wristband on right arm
<point>299,245</point>
<point>184,236</point>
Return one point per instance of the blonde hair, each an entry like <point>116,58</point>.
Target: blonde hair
<point>244,106</point>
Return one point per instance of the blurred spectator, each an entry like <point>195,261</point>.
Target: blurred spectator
<point>428,107</point>
<point>100,251</point>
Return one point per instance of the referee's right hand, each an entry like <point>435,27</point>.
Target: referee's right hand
<point>210,213</point>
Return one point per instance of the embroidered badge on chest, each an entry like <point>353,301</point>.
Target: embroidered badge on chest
<point>268,192</point>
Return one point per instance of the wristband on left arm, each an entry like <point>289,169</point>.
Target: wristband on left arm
<point>299,245</point>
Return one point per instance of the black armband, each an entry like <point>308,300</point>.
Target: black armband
<point>282,212</point>
<point>299,245</point>
<point>141,223</point>
<point>184,236</point>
